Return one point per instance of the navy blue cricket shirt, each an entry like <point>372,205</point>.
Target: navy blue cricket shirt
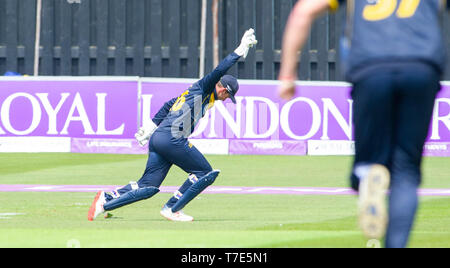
<point>180,115</point>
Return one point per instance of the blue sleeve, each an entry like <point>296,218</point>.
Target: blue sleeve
<point>208,83</point>
<point>448,4</point>
<point>164,111</point>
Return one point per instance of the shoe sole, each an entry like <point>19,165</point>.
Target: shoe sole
<point>92,209</point>
<point>372,209</point>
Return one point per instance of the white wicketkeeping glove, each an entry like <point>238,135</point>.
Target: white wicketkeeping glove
<point>248,41</point>
<point>145,132</point>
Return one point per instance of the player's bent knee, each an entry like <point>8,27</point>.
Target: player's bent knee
<point>195,189</point>
<point>203,173</point>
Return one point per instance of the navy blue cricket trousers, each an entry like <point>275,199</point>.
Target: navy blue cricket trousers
<point>165,151</point>
<point>392,109</point>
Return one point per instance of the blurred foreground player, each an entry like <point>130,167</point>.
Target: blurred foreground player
<point>168,144</point>
<point>393,52</point>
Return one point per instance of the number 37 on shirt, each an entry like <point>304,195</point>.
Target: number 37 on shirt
<point>383,9</point>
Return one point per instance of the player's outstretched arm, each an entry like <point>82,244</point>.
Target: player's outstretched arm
<point>295,35</point>
<point>210,80</point>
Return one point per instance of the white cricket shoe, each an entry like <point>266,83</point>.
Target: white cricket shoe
<point>372,209</point>
<point>167,213</point>
<point>97,206</point>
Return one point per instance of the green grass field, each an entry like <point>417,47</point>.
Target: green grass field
<point>49,219</point>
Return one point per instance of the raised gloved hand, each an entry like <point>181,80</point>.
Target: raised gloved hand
<point>144,133</point>
<point>248,41</point>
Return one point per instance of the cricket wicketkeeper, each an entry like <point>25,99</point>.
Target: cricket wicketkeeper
<point>168,144</point>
